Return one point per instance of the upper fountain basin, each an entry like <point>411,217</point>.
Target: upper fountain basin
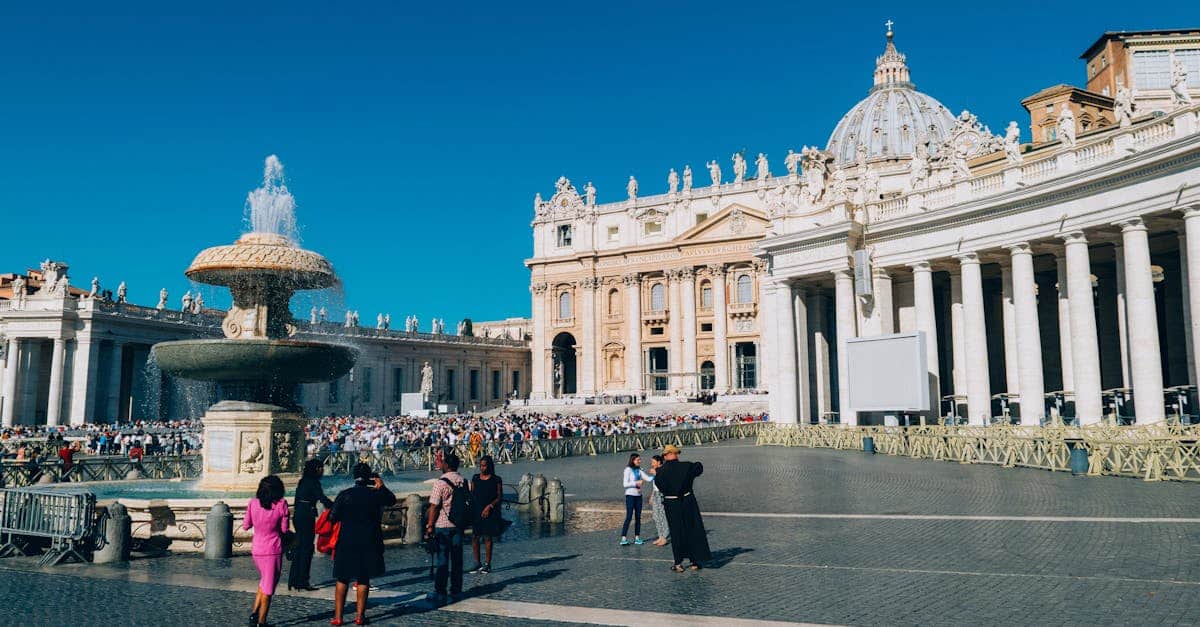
<point>280,361</point>
<point>264,256</point>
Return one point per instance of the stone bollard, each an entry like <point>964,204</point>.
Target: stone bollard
<point>556,501</point>
<point>537,498</point>
<point>414,519</point>
<point>218,532</point>
<point>117,537</point>
<point>133,474</point>
<point>523,492</point>
<point>45,478</point>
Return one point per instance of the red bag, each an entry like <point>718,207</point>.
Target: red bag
<point>327,533</point>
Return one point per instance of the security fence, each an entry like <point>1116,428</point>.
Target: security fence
<point>100,468</point>
<point>1151,452</point>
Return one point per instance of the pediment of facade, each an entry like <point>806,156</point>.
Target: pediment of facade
<point>734,221</point>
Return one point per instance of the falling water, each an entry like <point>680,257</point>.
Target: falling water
<point>272,208</point>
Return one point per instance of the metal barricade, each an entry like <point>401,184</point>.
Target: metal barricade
<point>65,517</point>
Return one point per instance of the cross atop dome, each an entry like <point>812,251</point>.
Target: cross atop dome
<point>890,67</point>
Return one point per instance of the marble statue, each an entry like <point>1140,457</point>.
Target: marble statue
<point>558,377</point>
<point>839,186</point>
<point>187,302</point>
<point>814,173</point>
<point>538,205</point>
<point>324,315</point>
<point>870,186</point>
<point>589,191</point>
<point>687,178</point>
<point>792,161</point>
<point>64,284</point>
<point>918,167</point>
<point>1123,106</point>
<point>379,321</point>
<point>162,299</point>
<point>672,181</point>
<point>1012,143</point>
<point>198,303</point>
<point>762,168</point>
<point>349,319</point>
<point>95,287</point>
<point>387,321</point>
<point>714,170</point>
<point>426,381</point>
<point>959,161</point>
<point>355,317</point>
<point>122,291</point>
<point>739,168</point>
<point>631,187</point>
<point>416,325</point>
<point>312,315</point>
<point>1179,89</point>
<point>1066,126</point>
<point>462,326</point>
<point>860,155</point>
<point>18,290</point>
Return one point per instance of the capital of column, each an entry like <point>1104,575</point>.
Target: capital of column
<point>1073,237</point>
<point>921,266</point>
<point>1020,248</point>
<point>880,273</point>
<point>687,273</point>
<point>844,273</point>
<point>590,283</point>
<point>632,279</point>
<point>715,269</point>
<point>1127,225</point>
<point>968,259</point>
<point>539,288</point>
<point>760,265</point>
<point>1191,211</point>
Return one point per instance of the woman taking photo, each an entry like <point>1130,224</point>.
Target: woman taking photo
<point>267,515</point>
<point>633,480</point>
<point>308,494</point>
<point>359,551</point>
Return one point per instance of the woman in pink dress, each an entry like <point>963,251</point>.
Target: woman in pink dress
<point>267,515</point>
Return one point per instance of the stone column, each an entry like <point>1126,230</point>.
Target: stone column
<point>784,378</point>
<point>115,370</point>
<point>633,332</point>
<point>846,323</point>
<point>1191,223</point>
<point>819,349</point>
<point>1184,276</point>
<point>1122,318</point>
<point>1064,324</point>
<point>1028,355</point>
<point>958,345</point>
<point>979,392</point>
<point>57,368</point>
<point>687,290</point>
<point>588,347</point>
<point>11,376</point>
<point>539,387</point>
<point>1085,349</point>
<point>83,373</point>
<point>720,328</point>
<point>1012,382</point>
<point>800,341</point>
<point>1145,363</point>
<point>885,312</point>
<point>763,348</point>
<point>927,324</point>
<point>674,328</point>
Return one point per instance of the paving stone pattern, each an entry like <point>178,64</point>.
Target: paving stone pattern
<point>843,571</point>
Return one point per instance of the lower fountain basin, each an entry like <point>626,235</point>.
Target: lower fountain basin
<point>274,361</point>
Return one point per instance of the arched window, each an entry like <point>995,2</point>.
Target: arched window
<point>564,306</point>
<point>705,295</point>
<point>614,368</point>
<point>745,289</point>
<point>614,302</point>
<point>658,297</point>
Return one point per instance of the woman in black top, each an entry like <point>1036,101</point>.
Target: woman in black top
<point>308,494</point>
<point>359,551</point>
<point>486,492</point>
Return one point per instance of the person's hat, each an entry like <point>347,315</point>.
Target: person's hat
<point>670,449</point>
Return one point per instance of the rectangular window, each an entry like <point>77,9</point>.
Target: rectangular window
<point>397,384</point>
<point>334,393</point>
<point>495,385</point>
<point>706,327</point>
<point>706,296</point>
<point>516,381</point>
<point>564,235</point>
<point>450,395</point>
<point>653,228</point>
<point>366,385</point>
<point>656,330</point>
<point>1152,69</point>
<point>701,217</point>
<point>614,233</point>
<point>473,385</point>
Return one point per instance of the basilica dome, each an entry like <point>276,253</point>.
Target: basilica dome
<point>892,118</point>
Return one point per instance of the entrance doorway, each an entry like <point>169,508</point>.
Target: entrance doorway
<point>746,359</point>
<point>656,361</point>
<point>563,364</point>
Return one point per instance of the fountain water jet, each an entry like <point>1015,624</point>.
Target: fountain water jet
<point>256,428</point>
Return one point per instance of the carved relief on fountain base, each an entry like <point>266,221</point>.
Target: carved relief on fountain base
<point>243,446</point>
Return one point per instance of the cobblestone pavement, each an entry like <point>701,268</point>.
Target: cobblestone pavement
<point>798,534</point>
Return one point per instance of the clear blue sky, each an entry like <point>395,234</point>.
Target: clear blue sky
<point>416,134</point>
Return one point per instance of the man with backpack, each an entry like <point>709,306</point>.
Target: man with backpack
<point>450,512</point>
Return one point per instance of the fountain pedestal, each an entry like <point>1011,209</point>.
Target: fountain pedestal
<point>245,441</point>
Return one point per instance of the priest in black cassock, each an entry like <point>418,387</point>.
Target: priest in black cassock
<point>674,480</point>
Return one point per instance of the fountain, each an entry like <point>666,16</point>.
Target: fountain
<point>256,428</point>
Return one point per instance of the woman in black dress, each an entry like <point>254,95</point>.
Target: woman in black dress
<point>486,491</point>
<point>359,551</point>
<point>308,494</point>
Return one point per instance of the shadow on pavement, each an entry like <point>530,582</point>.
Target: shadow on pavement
<point>724,556</point>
